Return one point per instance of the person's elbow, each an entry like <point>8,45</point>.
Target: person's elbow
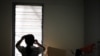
<point>17,45</point>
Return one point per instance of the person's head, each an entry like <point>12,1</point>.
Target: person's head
<point>29,39</point>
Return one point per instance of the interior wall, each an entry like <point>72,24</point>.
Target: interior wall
<point>5,27</point>
<point>63,24</point>
<point>92,23</point>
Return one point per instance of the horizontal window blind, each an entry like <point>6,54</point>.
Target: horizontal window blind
<point>28,20</point>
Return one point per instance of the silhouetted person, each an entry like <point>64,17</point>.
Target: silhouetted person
<point>30,49</point>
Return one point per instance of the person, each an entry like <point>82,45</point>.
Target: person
<point>30,49</point>
<point>86,50</point>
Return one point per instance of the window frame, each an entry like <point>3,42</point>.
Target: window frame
<point>13,21</point>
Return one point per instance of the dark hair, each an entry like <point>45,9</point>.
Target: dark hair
<point>29,39</point>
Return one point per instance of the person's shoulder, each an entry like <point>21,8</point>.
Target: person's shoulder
<point>21,48</point>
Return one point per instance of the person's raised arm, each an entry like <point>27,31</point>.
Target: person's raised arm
<point>19,42</point>
<point>39,44</point>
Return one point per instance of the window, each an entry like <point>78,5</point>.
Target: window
<point>28,20</point>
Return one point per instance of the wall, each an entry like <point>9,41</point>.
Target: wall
<point>5,28</point>
<point>63,24</point>
<point>92,18</point>
<point>92,22</point>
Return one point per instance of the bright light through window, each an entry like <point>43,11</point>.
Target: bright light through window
<point>28,20</point>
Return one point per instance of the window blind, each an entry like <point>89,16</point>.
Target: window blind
<point>28,20</point>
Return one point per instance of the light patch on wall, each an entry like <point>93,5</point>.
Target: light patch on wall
<point>28,20</point>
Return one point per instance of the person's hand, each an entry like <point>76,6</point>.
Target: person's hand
<point>36,41</point>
